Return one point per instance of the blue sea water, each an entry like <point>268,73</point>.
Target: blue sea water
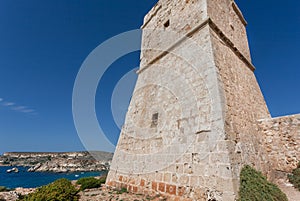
<point>36,179</point>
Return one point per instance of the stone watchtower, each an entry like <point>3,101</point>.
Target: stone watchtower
<point>192,121</point>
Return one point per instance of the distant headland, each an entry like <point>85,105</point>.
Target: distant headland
<point>58,162</point>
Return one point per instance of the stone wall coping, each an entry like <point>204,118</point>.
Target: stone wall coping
<point>239,13</point>
<point>280,117</point>
<point>154,11</point>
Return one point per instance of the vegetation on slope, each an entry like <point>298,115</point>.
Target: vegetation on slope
<point>63,189</point>
<point>59,190</point>
<point>90,182</point>
<point>255,187</point>
<point>294,178</point>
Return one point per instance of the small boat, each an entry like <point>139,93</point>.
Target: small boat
<point>76,175</point>
<point>16,170</point>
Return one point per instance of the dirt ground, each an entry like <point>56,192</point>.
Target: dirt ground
<point>112,195</point>
<point>292,193</point>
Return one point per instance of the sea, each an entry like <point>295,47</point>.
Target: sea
<point>36,179</point>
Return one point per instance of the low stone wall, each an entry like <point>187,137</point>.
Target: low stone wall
<point>281,139</point>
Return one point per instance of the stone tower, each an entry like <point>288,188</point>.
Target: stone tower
<point>192,121</point>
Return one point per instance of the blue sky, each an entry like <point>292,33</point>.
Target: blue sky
<point>43,44</point>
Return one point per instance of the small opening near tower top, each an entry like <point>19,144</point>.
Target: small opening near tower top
<point>154,120</point>
<point>167,24</point>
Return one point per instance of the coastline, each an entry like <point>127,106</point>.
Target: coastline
<point>34,169</point>
<point>27,179</point>
<point>58,162</point>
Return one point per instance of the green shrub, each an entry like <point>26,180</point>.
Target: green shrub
<point>122,190</point>
<point>255,187</point>
<point>294,178</point>
<point>60,190</point>
<point>90,182</point>
<point>4,189</point>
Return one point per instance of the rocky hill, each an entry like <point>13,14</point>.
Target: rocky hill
<point>58,162</point>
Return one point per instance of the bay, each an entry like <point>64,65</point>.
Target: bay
<point>36,179</point>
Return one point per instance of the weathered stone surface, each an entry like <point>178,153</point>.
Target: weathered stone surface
<point>281,139</point>
<point>192,122</point>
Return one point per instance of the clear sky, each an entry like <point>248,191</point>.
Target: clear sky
<point>43,44</point>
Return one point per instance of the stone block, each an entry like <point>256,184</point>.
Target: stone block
<point>171,189</point>
<point>154,185</point>
<point>162,187</point>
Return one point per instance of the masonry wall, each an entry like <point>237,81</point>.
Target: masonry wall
<point>230,20</point>
<point>192,121</point>
<point>181,16</point>
<point>244,102</point>
<point>185,155</point>
<point>281,138</point>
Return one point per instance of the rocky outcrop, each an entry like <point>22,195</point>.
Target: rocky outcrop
<point>57,162</point>
<point>15,194</point>
<point>57,165</point>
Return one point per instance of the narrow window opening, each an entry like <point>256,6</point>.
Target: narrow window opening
<point>167,24</point>
<point>154,120</point>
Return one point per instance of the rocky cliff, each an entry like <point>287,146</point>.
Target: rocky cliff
<point>57,162</point>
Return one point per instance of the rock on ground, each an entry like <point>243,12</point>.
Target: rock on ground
<point>13,195</point>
